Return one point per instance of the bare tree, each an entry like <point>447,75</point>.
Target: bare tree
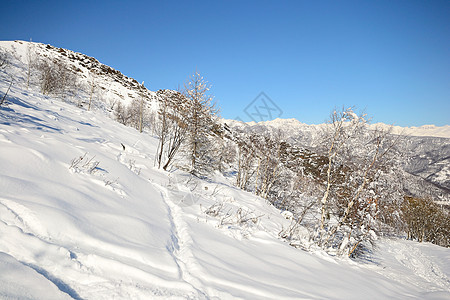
<point>269,166</point>
<point>202,117</point>
<point>426,221</point>
<point>4,60</point>
<point>56,78</point>
<point>163,131</point>
<point>141,107</point>
<point>2,101</point>
<point>121,113</point>
<point>246,160</point>
<point>173,126</point>
<point>30,58</point>
<point>133,112</point>
<point>92,86</point>
<point>226,154</point>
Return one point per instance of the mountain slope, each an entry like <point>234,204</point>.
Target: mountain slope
<point>88,218</point>
<point>107,85</point>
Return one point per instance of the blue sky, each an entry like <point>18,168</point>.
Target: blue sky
<point>390,58</point>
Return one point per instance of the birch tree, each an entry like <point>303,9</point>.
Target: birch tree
<point>357,159</point>
<point>343,127</point>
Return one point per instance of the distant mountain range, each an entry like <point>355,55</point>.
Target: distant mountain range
<point>425,130</point>
<point>426,148</point>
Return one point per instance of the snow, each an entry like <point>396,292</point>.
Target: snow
<point>20,281</point>
<point>116,232</point>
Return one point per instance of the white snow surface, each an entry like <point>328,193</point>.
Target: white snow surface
<point>123,229</point>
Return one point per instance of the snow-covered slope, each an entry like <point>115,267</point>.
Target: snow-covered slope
<point>109,86</point>
<point>82,217</point>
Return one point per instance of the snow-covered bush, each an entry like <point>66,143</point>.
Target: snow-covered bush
<point>84,164</point>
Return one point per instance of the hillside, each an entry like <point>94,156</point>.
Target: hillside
<point>85,214</point>
<point>109,86</point>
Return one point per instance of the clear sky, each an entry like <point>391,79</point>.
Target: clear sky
<point>391,58</point>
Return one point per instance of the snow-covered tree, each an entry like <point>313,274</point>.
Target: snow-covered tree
<point>357,161</point>
<point>344,127</point>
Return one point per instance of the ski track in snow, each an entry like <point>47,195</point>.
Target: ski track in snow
<point>23,221</point>
<point>181,244</point>
<point>423,270</point>
<point>89,265</point>
<point>423,267</point>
